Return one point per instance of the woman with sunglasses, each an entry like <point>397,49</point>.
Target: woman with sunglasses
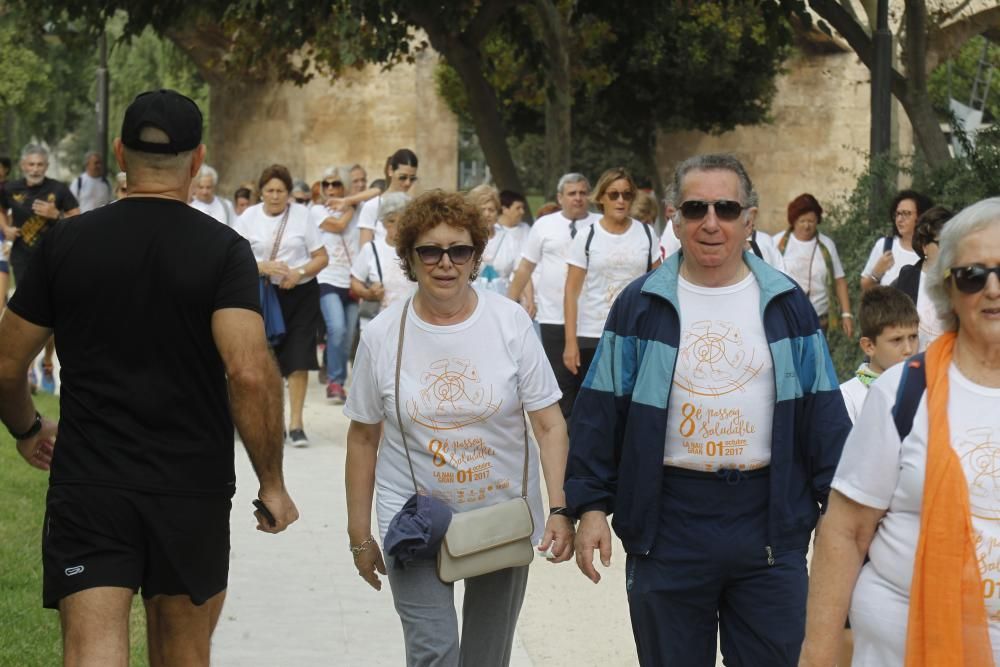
<point>811,259</point>
<point>468,367</point>
<point>292,263</point>
<point>615,250</point>
<point>916,489</point>
<point>912,279</point>
<point>339,231</point>
<point>401,172</point>
<point>891,253</point>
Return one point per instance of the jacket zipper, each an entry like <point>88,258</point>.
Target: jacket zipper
<point>770,555</point>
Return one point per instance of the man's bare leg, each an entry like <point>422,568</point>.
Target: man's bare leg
<point>95,627</point>
<point>179,632</point>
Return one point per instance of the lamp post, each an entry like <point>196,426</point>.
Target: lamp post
<point>102,99</point>
<point>881,132</point>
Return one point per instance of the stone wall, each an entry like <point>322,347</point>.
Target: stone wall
<point>362,117</point>
<point>816,142</point>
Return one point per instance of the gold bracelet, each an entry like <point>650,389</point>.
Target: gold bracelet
<point>356,550</point>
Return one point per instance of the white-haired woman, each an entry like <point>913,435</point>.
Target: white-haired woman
<point>917,490</point>
<point>376,274</point>
<point>205,199</point>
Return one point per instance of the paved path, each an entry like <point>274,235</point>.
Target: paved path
<point>295,598</point>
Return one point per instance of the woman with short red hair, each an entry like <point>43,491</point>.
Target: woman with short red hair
<point>811,259</point>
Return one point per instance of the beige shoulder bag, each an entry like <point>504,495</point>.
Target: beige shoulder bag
<point>481,540</point>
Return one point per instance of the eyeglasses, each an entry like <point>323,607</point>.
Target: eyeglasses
<point>725,209</point>
<point>458,254</point>
<point>407,178</point>
<point>971,279</point>
<point>302,200</point>
<point>613,195</point>
<point>330,184</point>
<point>904,214</point>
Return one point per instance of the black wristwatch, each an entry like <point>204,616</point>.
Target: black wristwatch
<point>32,431</point>
<point>564,511</point>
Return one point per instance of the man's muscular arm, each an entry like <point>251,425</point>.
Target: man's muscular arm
<point>255,395</point>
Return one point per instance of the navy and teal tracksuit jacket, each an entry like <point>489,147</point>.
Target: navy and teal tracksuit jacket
<point>619,423</point>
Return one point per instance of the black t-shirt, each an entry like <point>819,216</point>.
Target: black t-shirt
<point>129,290</point>
<point>18,196</point>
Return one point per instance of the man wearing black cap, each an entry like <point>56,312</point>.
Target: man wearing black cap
<point>157,318</point>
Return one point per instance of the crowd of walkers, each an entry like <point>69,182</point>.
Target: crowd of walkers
<point>511,386</point>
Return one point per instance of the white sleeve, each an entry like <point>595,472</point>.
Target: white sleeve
<point>654,244</point>
<point>362,267</point>
<point>668,241</point>
<point>242,224</point>
<point>536,383</point>
<point>838,268</point>
<point>577,253</point>
<point>532,250</point>
<point>317,214</point>
<point>364,403</point>
<point>872,258</point>
<point>368,215</point>
<point>868,471</point>
<point>313,239</point>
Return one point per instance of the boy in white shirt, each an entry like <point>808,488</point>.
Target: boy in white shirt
<point>889,323</point>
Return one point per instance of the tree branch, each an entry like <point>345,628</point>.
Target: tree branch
<point>945,41</point>
<point>859,40</point>
<point>484,20</point>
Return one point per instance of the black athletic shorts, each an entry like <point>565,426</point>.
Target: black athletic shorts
<point>164,545</point>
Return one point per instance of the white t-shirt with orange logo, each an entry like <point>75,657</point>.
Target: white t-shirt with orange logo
<point>879,471</point>
<point>462,387</point>
<point>722,399</point>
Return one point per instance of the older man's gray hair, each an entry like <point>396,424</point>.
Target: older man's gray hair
<point>35,149</point>
<point>570,178</point>
<point>715,162</point>
<point>968,221</point>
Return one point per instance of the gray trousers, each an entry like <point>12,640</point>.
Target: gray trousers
<point>426,608</point>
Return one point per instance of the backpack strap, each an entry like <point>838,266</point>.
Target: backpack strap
<point>378,264</point>
<point>586,247</point>
<point>887,244</point>
<point>649,252</point>
<point>911,387</point>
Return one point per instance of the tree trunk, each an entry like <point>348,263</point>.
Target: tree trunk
<point>916,101</point>
<point>484,109</point>
<point>558,93</point>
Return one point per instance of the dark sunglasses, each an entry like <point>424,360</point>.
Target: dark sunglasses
<point>613,195</point>
<point>330,184</point>
<point>407,177</point>
<point>304,200</point>
<point>458,254</point>
<point>725,209</point>
<point>971,279</point>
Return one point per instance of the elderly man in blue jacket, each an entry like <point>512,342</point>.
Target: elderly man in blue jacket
<point>709,425</point>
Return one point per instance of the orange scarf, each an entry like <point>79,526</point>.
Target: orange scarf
<point>947,622</point>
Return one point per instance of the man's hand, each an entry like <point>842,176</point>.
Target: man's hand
<point>593,533</point>
<point>37,450</point>
<point>45,209</point>
<point>281,506</point>
<point>10,233</point>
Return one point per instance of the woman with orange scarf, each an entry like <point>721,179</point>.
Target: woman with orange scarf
<point>918,486</point>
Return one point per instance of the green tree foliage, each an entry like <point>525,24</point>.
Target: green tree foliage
<point>43,79</point>
<point>637,68</point>
<point>136,64</point>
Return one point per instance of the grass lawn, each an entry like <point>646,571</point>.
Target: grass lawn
<point>29,634</point>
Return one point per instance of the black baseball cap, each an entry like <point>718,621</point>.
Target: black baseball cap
<point>177,115</point>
